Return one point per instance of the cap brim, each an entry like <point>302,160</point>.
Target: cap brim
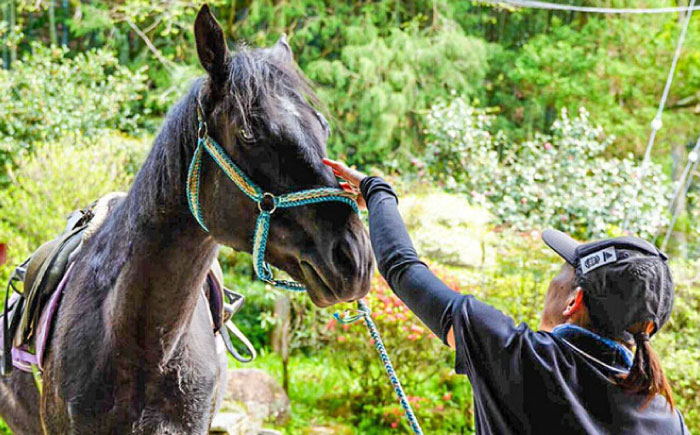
<point>562,244</point>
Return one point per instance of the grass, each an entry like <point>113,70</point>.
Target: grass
<point>317,383</point>
<point>323,390</point>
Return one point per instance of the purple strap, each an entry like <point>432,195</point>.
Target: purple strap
<point>46,319</point>
<point>23,359</point>
<point>216,300</point>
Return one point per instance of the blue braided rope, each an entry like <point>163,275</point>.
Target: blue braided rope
<point>283,202</point>
<point>250,189</point>
<point>226,164</point>
<point>364,312</point>
<point>193,177</point>
<point>262,269</point>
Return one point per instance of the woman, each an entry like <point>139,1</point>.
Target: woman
<point>576,374</point>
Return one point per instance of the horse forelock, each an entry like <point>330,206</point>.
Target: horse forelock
<point>263,90</point>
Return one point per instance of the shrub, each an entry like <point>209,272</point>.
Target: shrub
<point>562,179</point>
<point>56,180</point>
<point>48,95</point>
<point>678,343</point>
<point>445,228</point>
<point>423,363</point>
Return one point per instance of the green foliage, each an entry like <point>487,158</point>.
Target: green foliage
<point>562,179</point>
<point>446,228</point>
<point>678,343</point>
<point>380,63</point>
<point>378,99</point>
<point>56,180</point>
<point>48,95</point>
<point>423,363</point>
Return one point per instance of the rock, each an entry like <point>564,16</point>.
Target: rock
<point>234,421</point>
<point>259,393</point>
<point>269,432</point>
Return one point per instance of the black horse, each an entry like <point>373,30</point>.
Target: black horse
<point>132,348</point>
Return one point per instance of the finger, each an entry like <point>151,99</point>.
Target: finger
<point>332,163</point>
<point>350,183</point>
<point>348,187</point>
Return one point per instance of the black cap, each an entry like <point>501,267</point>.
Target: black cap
<point>625,280</point>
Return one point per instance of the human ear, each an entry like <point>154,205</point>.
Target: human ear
<point>574,303</point>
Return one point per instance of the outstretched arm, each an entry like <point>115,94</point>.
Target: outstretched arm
<point>424,293</point>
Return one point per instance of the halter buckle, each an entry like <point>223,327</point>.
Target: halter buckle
<point>272,200</point>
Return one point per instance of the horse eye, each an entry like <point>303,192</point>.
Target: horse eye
<point>245,135</point>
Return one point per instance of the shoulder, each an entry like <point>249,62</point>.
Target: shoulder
<point>482,330</point>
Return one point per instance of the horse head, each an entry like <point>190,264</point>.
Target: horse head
<point>258,107</point>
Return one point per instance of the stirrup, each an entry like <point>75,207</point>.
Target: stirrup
<point>230,327</point>
<point>236,301</point>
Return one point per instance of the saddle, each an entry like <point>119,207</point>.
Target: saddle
<point>29,312</point>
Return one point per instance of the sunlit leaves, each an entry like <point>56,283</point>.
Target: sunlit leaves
<point>48,95</point>
<point>563,180</point>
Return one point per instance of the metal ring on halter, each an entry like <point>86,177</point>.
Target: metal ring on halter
<point>202,131</point>
<point>274,203</point>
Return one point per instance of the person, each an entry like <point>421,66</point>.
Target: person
<point>577,373</point>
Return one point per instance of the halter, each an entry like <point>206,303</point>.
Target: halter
<point>267,202</point>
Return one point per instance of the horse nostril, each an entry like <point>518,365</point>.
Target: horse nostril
<point>343,257</point>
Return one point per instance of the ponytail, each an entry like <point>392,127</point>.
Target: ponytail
<point>646,375</point>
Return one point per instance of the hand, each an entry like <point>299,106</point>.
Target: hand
<point>353,178</point>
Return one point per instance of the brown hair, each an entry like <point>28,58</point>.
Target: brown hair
<point>646,375</point>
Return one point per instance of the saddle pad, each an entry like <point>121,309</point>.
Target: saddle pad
<point>23,358</point>
<point>49,270</point>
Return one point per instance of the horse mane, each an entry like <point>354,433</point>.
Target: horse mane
<point>162,177</point>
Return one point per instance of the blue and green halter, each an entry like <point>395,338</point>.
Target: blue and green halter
<point>266,201</point>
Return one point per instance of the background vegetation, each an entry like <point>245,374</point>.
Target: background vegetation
<point>503,120</point>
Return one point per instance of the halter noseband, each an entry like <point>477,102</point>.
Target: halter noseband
<point>267,202</point>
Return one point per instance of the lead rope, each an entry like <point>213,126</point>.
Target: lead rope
<point>366,314</point>
<point>267,204</point>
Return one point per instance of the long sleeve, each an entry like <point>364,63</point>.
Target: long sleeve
<point>425,294</point>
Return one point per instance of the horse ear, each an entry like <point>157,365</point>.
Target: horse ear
<point>281,50</point>
<point>211,44</point>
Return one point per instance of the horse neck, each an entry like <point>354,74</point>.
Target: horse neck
<point>168,254</point>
